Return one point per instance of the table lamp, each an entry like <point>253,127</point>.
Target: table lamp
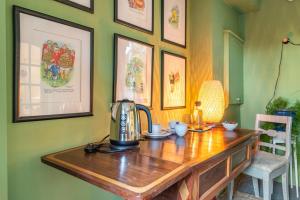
<point>212,101</point>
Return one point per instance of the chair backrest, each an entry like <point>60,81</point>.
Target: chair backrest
<point>284,135</point>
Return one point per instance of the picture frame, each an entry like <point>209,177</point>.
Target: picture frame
<point>133,70</point>
<point>173,81</point>
<point>173,27</point>
<point>53,76</point>
<point>137,14</point>
<point>85,5</point>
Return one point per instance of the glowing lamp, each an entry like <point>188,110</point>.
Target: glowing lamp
<point>212,101</point>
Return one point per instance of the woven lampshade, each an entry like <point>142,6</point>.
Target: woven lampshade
<point>212,101</point>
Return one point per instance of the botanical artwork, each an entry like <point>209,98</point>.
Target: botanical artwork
<point>137,4</point>
<point>174,79</point>
<point>174,17</point>
<point>57,63</point>
<point>133,70</point>
<point>174,22</point>
<point>134,75</point>
<point>135,13</point>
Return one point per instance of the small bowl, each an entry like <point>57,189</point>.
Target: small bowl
<point>172,124</point>
<point>229,126</point>
<point>181,129</point>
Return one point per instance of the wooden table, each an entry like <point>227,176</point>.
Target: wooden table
<point>196,166</point>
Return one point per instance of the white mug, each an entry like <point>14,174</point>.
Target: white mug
<point>156,128</point>
<point>181,129</point>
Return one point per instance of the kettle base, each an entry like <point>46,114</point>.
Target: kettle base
<point>124,148</point>
<point>124,143</point>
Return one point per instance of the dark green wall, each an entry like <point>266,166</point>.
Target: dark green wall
<point>28,178</point>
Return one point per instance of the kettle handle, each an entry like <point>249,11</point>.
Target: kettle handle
<point>149,118</point>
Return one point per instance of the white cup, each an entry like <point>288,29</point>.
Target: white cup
<point>181,129</point>
<point>156,128</point>
<point>172,124</point>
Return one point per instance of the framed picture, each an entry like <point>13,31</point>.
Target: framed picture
<point>137,14</point>
<point>53,67</point>
<point>174,22</point>
<point>133,70</point>
<point>173,81</point>
<point>85,5</point>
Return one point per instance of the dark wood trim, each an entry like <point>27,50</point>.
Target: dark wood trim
<point>162,80</point>
<point>115,78</point>
<point>79,6</point>
<point>119,21</point>
<point>162,26</point>
<point>16,70</point>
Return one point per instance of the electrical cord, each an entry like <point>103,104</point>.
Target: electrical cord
<point>292,43</point>
<point>278,76</point>
<point>92,147</point>
<point>284,41</point>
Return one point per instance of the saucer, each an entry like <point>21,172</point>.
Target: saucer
<point>163,133</point>
<point>172,130</point>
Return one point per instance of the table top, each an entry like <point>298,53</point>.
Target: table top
<point>155,165</point>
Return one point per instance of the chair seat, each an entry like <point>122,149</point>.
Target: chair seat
<point>267,162</point>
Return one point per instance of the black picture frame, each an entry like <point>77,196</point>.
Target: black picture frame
<point>79,6</point>
<point>163,52</point>
<point>16,70</point>
<point>119,21</point>
<point>115,63</point>
<point>163,28</point>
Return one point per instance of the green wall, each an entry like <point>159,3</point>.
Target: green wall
<point>28,178</point>
<point>207,47</point>
<point>201,50</point>
<point>3,125</point>
<point>264,31</point>
<point>225,17</point>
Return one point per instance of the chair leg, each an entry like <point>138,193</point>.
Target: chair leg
<point>230,190</point>
<point>271,187</point>
<point>285,186</point>
<point>267,188</point>
<point>291,171</point>
<point>255,186</point>
<point>296,168</point>
<point>273,149</point>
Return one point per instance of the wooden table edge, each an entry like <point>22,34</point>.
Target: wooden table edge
<point>146,192</point>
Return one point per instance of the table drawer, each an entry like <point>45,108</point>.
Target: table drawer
<point>238,158</point>
<point>212,176</point>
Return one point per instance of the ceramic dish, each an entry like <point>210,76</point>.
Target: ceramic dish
<point>229,126</point>
<point>162,134</point>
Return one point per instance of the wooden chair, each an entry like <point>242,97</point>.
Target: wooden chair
<point>266,165</point>
<point>293,160</point>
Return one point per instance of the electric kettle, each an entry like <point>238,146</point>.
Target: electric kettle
<point>125,127</point>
